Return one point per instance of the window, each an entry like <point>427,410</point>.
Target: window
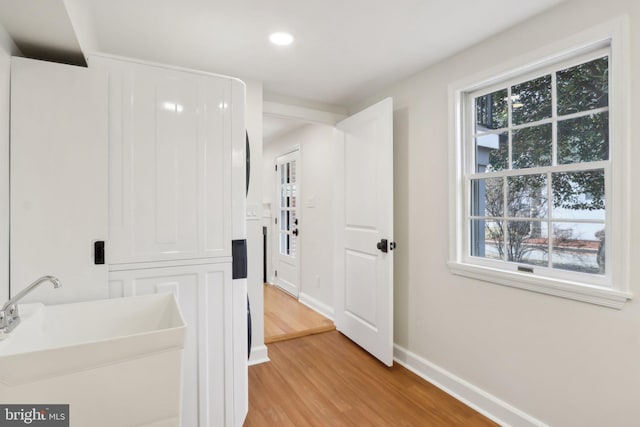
<point>539,178</point>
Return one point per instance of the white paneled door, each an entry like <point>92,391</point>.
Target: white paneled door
<point>287,222</point>
<point>59,179</point>
<point>364,229</point>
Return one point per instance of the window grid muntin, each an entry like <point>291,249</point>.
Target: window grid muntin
<point>471,165</point>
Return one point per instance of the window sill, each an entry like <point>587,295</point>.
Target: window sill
<point>560,288</point>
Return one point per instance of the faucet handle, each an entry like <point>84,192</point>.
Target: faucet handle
<point>9,318</point>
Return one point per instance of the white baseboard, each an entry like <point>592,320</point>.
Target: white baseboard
<point>286,287</point>
<point>259,354</point>
<point>316,305</point>
<point>487,404</point>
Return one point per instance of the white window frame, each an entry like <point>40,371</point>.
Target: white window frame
<point>612,290</point>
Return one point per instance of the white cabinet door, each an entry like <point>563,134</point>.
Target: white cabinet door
<point>170,174</point>
<point>58,178</point>
<point>209,305</point>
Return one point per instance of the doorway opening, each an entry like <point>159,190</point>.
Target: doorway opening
<point>298,250</point>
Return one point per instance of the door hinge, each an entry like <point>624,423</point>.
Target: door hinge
<point>276,168</point>
<point>276,220</point>
<point>276,272</point>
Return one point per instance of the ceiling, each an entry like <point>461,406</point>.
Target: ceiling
<point>344,50</point>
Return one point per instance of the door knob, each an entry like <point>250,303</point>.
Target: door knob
<point>383,245</point>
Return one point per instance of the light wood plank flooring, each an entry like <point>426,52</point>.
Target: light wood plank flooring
<point>286,318</point>
<point>327,380</point>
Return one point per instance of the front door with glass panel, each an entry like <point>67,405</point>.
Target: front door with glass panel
<point>286,223</point>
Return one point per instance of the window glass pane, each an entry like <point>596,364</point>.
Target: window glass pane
<point>293,219</point>
<point>532,147</point>
<point>578,247</point>
<point>487,197</point>
<point>492,152</point>
<point>487,239</point>
<point>531,101</point>
<point>284,249</point>
<point>527,196</point>
<point>491,111</point>
<point>527,242</point>
<point>293,243</point>
<point>579,195</point>
<point>584,139</point>
<point>583,87</point>
<point>293,171</point>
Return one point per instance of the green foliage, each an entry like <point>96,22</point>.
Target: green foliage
<point>584,139</point>
<point>584,87</point>
<point>532,147</point>
<point>531,100</point>
<point>568,189</point>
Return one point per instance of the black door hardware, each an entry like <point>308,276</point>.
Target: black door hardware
<point>239,261</point>
<point>383,245</point>
<point>98,252</point>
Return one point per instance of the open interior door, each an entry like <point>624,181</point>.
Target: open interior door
<point>364,229</point>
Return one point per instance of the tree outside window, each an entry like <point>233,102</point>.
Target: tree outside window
<point>537,192</point>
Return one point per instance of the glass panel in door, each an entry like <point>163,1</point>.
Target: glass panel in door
<point>287,218</point>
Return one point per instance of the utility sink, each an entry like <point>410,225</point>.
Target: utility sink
<point>111,356</point>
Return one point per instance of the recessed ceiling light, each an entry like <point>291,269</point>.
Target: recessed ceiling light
<point>281,39</point>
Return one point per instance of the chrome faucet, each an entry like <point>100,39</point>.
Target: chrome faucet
<point>9,316</point>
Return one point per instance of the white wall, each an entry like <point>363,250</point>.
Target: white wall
<point>7,49</point>
<point>315,242</point>
<point>254,225</point>
<point>563,362</point>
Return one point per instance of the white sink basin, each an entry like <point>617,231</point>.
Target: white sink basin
<point>81,352</point>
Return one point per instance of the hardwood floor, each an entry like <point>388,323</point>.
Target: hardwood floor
<point>286,318</point>
<point>327,380</point>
